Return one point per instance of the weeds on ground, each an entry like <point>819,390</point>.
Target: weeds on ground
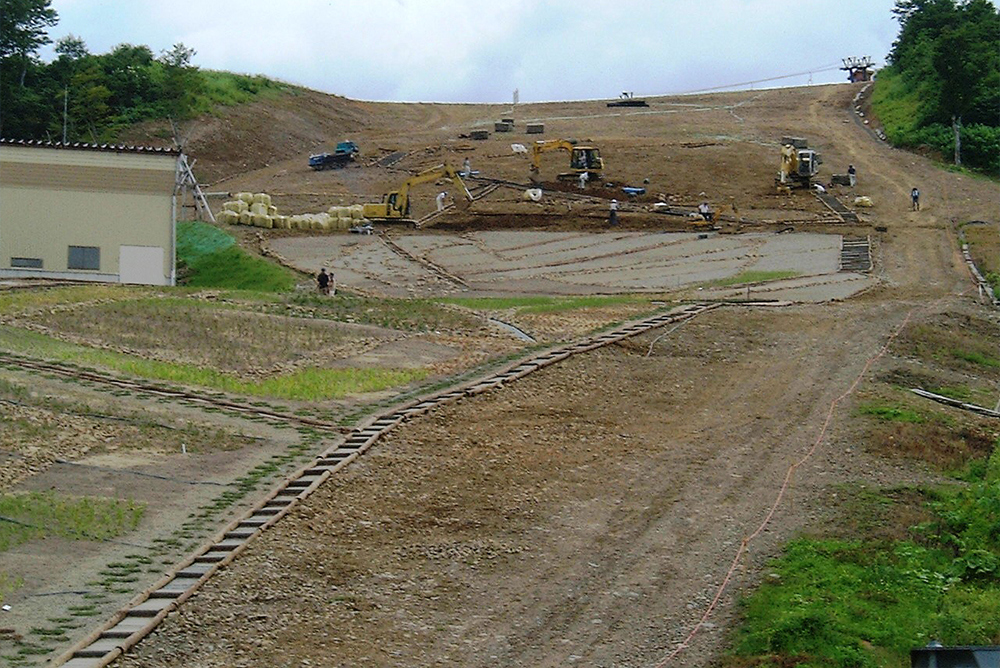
<point>746,277</point>
<point>310,384</point>
<point>865,602</point>
<point>13,302</point>
<point>891,413</point>
<point>954,338</point>
<point>8,584</point>
<point>31,515</point>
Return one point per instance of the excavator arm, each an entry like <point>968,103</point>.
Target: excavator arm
<point>540,147</point>
<point>396,204</point>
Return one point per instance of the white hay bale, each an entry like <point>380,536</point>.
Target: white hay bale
<point>233,207</point>
<point>245,218</point>
<point>281,222</point>
<point>258,209</point>
<point>262,220</point>
<point>272,211</point>
<point>245,197</point>
<point>864,201</point>
<point>228,218</point>
<point>357,211</point>
<point>262,198</point>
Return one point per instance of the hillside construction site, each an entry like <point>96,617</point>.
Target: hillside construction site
<point>590,487</point>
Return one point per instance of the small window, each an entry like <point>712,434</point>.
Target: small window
<point>26,262</point>
<point>84,257</point>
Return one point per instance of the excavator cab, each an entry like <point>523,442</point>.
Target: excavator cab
<point>586,158</point>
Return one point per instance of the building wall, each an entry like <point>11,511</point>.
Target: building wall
<point>53,198</point>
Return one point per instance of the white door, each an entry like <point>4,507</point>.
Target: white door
<point>141,264</point>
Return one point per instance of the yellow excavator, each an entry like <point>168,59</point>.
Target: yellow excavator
<point>799,164</point>
<point>581,158</point>
<point>395,205</point>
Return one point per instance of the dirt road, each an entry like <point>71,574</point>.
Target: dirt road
<point>588,514</point>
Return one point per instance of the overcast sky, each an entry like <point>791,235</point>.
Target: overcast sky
<point>474,51</point>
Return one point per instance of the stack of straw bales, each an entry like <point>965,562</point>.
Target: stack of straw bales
<point>252,209</point>
<point>257,210</point>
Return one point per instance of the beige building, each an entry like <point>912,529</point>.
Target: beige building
<point>86,212</point>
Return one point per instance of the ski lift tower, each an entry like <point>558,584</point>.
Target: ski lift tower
<point>858,69</point>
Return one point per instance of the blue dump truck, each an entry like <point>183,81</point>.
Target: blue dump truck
<point>341,156</point>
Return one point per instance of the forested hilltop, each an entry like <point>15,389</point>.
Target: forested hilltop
<point>88,97</point>
<point>941,89</point>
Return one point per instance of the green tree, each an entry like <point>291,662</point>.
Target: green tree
<point>89,100</point>
<point>129,71</point>
<point>181,86</point>
<point>948,52</point>
<point>967,62</point>
<point>71,47</point>
<point>22,29</point>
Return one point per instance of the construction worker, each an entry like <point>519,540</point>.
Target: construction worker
<point>613,213</point>
<point>915,199</point>
<point>466,168</point>
<point>582,180</point>
<point>323,281</point>
<point>852,175</point>
<point>705,211</point>
<point>440,200</point>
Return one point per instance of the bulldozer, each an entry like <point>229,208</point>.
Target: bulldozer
<point>395,205</point>
<point>581,159</point>
<point>799,164</point>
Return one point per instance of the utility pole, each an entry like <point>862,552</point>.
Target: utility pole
<point>65,107</point>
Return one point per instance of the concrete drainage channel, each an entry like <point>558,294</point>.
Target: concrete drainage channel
<point>144,613</point>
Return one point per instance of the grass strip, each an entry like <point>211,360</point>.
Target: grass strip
<point>38,514</point>
<point>311,384</point>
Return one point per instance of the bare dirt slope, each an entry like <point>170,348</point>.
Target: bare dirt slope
<point>588,514</point>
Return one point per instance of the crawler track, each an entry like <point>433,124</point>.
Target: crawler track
<point>141,615</point>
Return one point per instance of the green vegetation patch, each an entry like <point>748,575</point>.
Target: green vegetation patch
<point>207,333</point>
<point>228,90</point>
<point>957,341</point>
<point>207,257</point>
<point>306,384</point>
<point>891,413</point>
<point>865,602</point>
<point>38,514</point>
<point>13,302</point>
<point>539,305</point>
<point>747,277</point>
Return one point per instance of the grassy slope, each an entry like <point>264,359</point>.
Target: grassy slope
<point>208,257</point>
